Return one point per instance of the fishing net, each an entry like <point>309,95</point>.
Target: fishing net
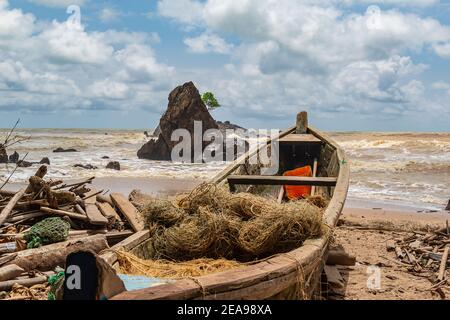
<point>55,282</point>
<point>47,231</point>
<point>130,264</point>
<point>211,222</point>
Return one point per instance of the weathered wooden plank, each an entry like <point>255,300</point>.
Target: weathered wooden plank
<point>443,266</point>
<point>128,210</point>
<point>94,215</point>
<point>108,211</point>
<point>294,139</point>
<point>282,180</point>
<point>126,245</point>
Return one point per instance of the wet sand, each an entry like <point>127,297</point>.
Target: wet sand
<point>154,186</point>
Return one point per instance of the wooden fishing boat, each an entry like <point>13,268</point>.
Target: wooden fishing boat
<point>292,275</point>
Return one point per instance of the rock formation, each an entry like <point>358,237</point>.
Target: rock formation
<point>85,166</point>
<point>59,149</point>
<point>185,106</point>
<point>227,125</point>
<point>14,157</point>
<point>24,164</point>
<point>45,160</point>
<point>114,165</point>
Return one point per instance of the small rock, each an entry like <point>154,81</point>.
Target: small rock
<point>390,245</point>
<point>416,244</point>
<point>45,160</point>
<point>14,157</point>
<point>105,157</point>
<point>3,295</point>
<point>24,164</point>
<point>115,165</point>
<point>85,166</point>
<point>59,149</point>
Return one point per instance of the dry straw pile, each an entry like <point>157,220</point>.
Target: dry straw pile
<point>213,223</point>
<point>130,264</point>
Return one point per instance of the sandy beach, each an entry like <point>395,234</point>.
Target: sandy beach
<point>380,205</point>
<point>364,233</point>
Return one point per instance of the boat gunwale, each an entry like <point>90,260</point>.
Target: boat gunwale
<point>252,281</point>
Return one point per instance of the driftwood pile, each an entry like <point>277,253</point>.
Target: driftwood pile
<point>425,254</point>
<point>96,222</point>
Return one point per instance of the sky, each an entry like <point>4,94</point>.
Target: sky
<point>354,65</point>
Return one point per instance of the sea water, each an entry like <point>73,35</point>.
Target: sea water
<point>409,168</point>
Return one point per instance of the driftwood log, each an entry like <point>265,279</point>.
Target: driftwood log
<point>10,206</point>
<point>7,285</point>
<point>10,272</point>
<point>48,257</point>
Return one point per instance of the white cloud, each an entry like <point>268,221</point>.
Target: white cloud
<point>317,53</point>
<point>14,23</point>
<point>440,85</point>
<point>59,3</point>
<point>419,3</point>
<point>184,11</point>
<point>52,66</point>
<point>109,15</point>
<point>442,49</point>
<point>206,43</point>
<point>67,43</point>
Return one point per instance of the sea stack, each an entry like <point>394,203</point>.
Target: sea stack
<point>185,106</point>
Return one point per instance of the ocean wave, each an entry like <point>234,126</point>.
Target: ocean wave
<point>430,146</point>
<point>409,166</point>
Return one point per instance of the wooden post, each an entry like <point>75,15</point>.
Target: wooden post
<point>280,195</point>
<point>302,123</point>
<point>313,188</point>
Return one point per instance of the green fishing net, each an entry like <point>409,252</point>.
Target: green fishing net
<point>55,282</point>
<point>47,231</point>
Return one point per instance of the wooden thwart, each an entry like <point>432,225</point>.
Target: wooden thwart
<point>293,139</point>
<point>280,180</point>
